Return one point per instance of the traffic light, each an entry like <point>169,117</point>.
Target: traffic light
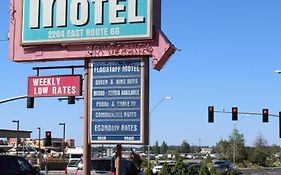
<point>234,113</point>
<point>265,115</point>
<point>211,114</point>
<point>71,100</point>
<point>30,102</point>
<point>48,138</point>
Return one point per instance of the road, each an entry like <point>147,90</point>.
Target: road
<point>264,171</point>
<point>52,173</point>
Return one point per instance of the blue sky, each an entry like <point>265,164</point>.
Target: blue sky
<point>229,50</point>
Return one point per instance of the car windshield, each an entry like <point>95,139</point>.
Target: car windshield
<point>73,163</point>
<point>220,162</point>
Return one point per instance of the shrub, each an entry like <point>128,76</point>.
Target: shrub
<point>148,171</point>
<point>204,170</point>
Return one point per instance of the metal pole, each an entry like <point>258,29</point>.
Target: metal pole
<point>13,99</point>
<point>118,159</point>
<point>39,146</point>
<point>39,138</point>
<point>63,137</point>
<point>150,113</point>
<point>279,124</point>
<point>17,142</point>
<point>148,146</point>
<point>18,127</point>
<point>234,150</point>
<point>87,145</point>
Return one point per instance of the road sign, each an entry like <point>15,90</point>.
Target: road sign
<point>76,21</point>
<point>119,107</point>
<point>55,86</point>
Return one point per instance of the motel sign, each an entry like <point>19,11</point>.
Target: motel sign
<point>57,21</point>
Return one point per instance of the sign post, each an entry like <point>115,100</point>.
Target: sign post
<point>87,145</point>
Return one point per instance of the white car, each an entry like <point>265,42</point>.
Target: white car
<point>159,166</point>
<point>72,166</point>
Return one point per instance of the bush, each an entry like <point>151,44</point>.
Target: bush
<point>148,171</point>
<point>235,172</point>
<point>191,170</point>
<point>204,170</point>
<point>165,170</point>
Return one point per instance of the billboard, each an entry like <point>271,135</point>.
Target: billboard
<point>119,101</point>
<point>76,21</point>
<point>55,86</point>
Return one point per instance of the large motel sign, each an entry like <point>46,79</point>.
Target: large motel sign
<point>69,21</point>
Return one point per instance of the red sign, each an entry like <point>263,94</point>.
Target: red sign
<point>53,86</point>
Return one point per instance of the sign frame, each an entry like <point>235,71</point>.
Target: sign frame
<point>140,37</point>
<point>144,104</point>
<point>76,77</point>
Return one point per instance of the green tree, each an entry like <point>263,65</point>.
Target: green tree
<point>164,148</point>
<point>273,151</point>
<point>204,170</point>
<point>222,148</point>
<point>145,148</point>
<point>155,149</point>
<point>191,170</point>
<point>236,147</point>
<point>208,159</point>
<point>148,171</point>
<point>260,143</point>
<point>258,155</point>
<point>165,170</point>
<point>136,159</point>
<point>185,147</point>
<point>179,169</point>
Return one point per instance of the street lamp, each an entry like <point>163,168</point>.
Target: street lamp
<point>39,138</point>
<point>18,127</point>
<point>278,71</point>
<point>63,140</point>
<point>150,114</point>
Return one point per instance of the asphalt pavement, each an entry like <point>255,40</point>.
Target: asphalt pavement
<point>52,173</point>
<point>262,171</point>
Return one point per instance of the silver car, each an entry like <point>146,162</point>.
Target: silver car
<point>106,166</point>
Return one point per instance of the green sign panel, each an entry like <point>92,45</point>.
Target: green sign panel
<point>75,21</point>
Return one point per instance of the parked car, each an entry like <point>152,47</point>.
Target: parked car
<point>156,169</point>
<point>15,165</point>
<point>106,166</point>
<point>72,166</point>
<point>196,165</point>
<point>222,165</point>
